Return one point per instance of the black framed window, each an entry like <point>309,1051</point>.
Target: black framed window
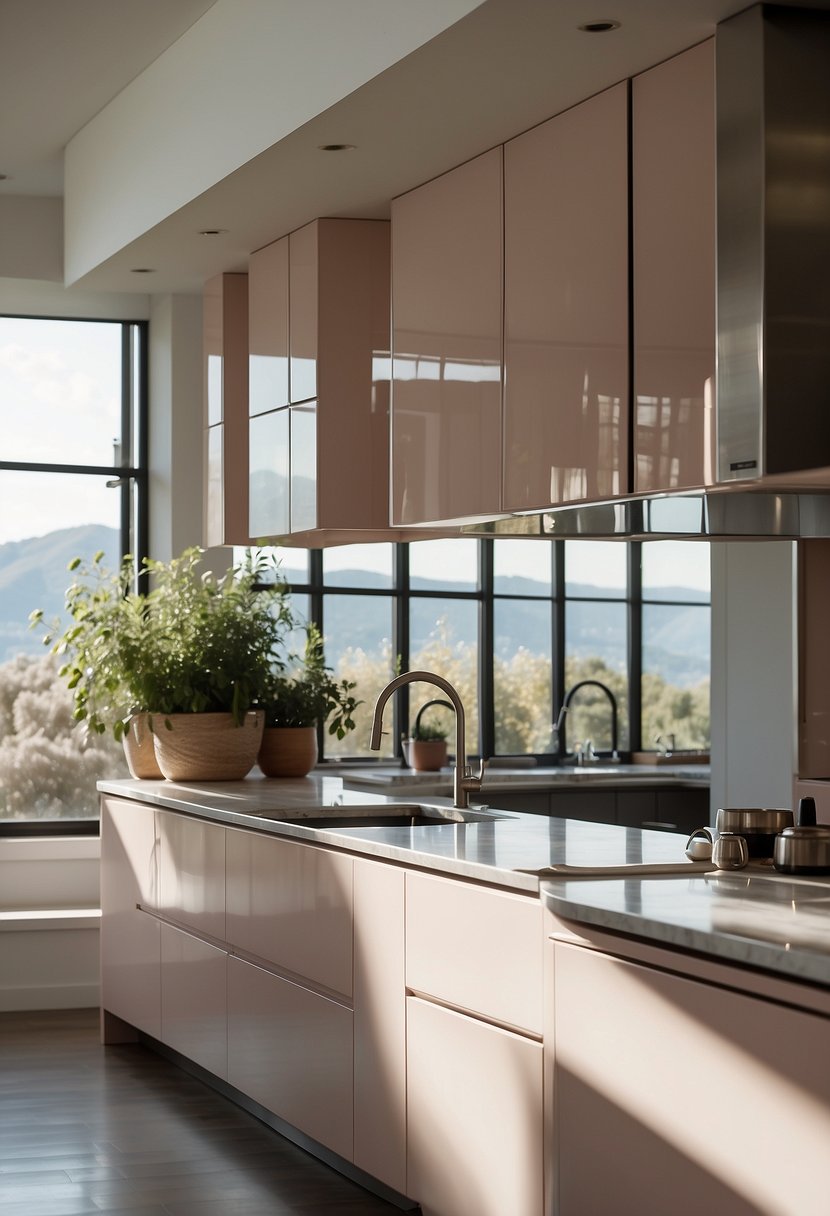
<point>515,624</point>
<point>73,448</point>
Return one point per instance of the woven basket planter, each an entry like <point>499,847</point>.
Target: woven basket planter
<point>206,747</point>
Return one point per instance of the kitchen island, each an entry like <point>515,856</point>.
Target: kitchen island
<point>401,999</point>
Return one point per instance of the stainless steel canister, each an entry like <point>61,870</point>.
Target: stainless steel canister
<point>758,825</point>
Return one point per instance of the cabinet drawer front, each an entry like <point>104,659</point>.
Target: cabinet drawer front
<point>291,1050</point>
<point>474,1116</point>
<point>194,999</point>
<point>291,905</point>
<point>475,948</point>
<point>192,873</point>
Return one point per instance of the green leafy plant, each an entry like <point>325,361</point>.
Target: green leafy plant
<point>423,732</point>
<point>195,643</point>
<point>310,694</point>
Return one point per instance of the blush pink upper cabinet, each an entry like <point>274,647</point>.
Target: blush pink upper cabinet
<point>447,345</point>
<point>319,460</point>
<point>225,381</point>
<point>268,328</point>
<point>673,149</point>
<point>566,408</point>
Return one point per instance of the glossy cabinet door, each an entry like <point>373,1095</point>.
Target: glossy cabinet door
<point>194,1014</point>
<point>379,1023</point>
<point>320,459</point>
<point>673,157</point>
<point>130,937</point>
<point>475,948</point>
<point>447,345</point>
<point>225,379</point>
<point>690,1119</point>
<point>290,1049</point>
<point>566,408</point>
<point>475,1116</point>
<point>268,328</point>
<point>192,873</point>
<point>291,905</point>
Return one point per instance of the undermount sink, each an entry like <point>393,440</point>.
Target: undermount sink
<point>404,815</point>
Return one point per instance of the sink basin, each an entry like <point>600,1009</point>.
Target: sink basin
<point>403,815</point>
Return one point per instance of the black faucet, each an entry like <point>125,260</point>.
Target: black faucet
<point>562,748</point>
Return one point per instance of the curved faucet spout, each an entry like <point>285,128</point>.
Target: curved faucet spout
<point>566,705</point>
<point>463,781</point>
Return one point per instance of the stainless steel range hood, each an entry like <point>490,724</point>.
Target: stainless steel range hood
<point>773,302</point>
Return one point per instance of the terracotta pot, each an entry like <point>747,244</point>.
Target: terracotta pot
<point>288,751</point>
<point>207,747</point>
<point>426,755</point>
<point>140,750</point>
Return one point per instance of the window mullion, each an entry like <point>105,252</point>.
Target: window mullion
<point>486,642</point>
<point>635,646</point>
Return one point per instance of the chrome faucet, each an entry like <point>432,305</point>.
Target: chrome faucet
<point>464,781</point>
<point>559,728</point>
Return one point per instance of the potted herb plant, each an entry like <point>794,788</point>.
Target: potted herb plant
<point>194,654</point>
<point>425,750</point>
<point>295,704</point>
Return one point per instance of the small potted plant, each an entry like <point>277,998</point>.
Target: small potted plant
<point>295,704</point>
<point>425,750</point>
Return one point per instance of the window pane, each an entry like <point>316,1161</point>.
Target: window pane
<point>359,566</point>
<point>595,649</point>
<point>676,570</point>
<point>676,648</point>
<point>596,568</point>
<point>60,390</point>
<point>448,565</point>
<point>358,645</point>
<point>522,677</point>
<point>522,567</point>
<point>48,767</point>
<point>444,640</point>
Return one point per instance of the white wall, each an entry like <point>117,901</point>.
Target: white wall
<point>31,237</point>
<point>754,673</point>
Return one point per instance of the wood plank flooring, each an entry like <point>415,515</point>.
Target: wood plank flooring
<point>86,1130</point>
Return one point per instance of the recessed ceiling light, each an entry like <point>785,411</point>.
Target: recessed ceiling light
<point>142,270</point>
<point>5,177</point>
<point>212,231</point>
<point>336,147</point>
<point>598,27</point>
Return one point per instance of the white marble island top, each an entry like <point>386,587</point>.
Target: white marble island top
<point>754,917</point>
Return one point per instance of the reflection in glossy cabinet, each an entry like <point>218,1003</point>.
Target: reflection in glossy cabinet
<point>225,378</point>
<point>194,1012</point>
<point>130,944</point>
<point>566,406</point>
<point>192,873</point>
<point>268,328</point>
<point>673,150</point>
<point>291,904</point>
<point>270,465</point>
<point>726,1109</point>
<point>291,1050</point>
<point>475,1116</point>
<point>447,345</point>
<point>379,1023</point>
<point>303,297</point>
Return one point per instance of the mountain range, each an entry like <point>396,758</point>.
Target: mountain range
<point>34,574</point>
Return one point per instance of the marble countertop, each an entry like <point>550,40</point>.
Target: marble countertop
<point>394,778</point>
<point>754,917</point>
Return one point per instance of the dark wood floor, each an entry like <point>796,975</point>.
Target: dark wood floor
<point>86,1129</point>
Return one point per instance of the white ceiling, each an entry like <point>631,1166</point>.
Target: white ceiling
<point>504,67</point>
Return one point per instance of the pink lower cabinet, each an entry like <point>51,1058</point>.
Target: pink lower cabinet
<point>130,945</point>
<point>379,1023</point>
<point>192,873</point>
<point>676,1095</point>
<point>194,999</point>
<point>290,1049</point>
<point>475,1116</point>
<point>290,904</point>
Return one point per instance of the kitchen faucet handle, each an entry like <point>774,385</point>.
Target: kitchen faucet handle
<point>472,781</point>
